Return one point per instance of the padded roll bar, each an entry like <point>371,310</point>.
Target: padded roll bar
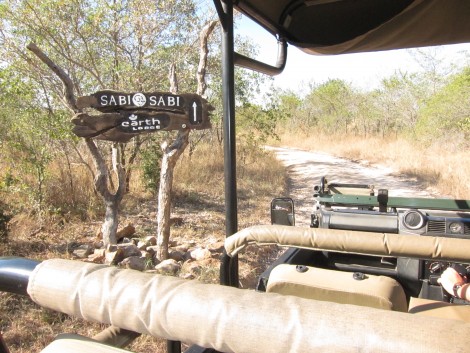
<point>365,243</point>
<point>234,320</point>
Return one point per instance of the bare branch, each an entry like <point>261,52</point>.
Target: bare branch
<point>203,53</point>
<point>68,84</point>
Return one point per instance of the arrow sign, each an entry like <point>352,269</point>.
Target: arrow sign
<point>195,114</point>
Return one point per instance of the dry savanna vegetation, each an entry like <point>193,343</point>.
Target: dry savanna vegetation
<point>441,167</point>
<point>198,214</point>
<point>198,208</point>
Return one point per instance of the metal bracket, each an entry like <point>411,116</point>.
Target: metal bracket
<point>250,63</point>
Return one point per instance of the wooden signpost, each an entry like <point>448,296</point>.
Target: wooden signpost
<point>125,115</point>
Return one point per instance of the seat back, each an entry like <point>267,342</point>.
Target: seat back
<point>439,309</point>
<point>340,287</point>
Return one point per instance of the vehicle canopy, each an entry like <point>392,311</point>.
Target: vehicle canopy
<point>350,26</point>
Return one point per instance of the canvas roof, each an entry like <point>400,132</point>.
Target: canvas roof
<point>350,26</point>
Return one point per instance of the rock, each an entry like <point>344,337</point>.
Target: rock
<point>98,244</point>
<point>111,247</point>
<point>182,248</point>
<point>114,257</point>
<point>127,232</point>
<point>217,247</point>
<point>129,249</point>
<point>176,255</point>
<point>200,254</point>
<point>151,240</point>
<point>99,252</point>
<point>147,241</point>
<point>146,254</point>
<point>188,276</point>
<point>134,263</point>
<point>142,245</point>
<point>96,257</point>
<point>176,221</point>
<point>168,266</point>
<point>83,251</point>
<point>135,240</point>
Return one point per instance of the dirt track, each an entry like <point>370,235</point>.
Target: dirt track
<point>306,168</point>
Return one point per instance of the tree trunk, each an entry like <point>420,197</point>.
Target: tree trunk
<point>171,153</point>
<point>110,224</point>
<point>102,180</point>
<point>111,200</point>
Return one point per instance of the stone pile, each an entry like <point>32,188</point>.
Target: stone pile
<point>140,254</point>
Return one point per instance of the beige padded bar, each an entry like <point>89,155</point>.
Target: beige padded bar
<point>234,320</point>
<point>367,243</point>
<point>70,343</point>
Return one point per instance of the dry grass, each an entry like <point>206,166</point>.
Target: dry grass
<point>441,167</point>
<point>198,201</point>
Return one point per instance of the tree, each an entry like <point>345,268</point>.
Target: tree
<point>28,131</point>
<point>331,106</point>
<point>93,45</point>
<point>398,101</point>
<point>172,151</point>
<point>286,106</point>
<point>447,113</point>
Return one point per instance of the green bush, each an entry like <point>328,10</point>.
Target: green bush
<point>151,157</point>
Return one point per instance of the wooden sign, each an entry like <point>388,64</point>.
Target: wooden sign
<point>122,126</point>
<point>125,115</point>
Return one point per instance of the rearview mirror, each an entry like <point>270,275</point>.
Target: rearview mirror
<point>282,211</point>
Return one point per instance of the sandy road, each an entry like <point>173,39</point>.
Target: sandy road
<point>305,169</point>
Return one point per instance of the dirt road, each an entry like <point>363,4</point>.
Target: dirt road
<point>305,169</point>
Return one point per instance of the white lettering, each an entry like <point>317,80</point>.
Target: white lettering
<point>104,100</point>
<point>171,101</point>
<point>112,100</point>
<point>161,101</point>
<point>125,124</point>
<point>122,100</point>
<point>153,100</point>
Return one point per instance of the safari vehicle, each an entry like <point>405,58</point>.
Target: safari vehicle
<point>362,279</point>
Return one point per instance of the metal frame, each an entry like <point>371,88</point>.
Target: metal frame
<point>396,202</point>
<point>229,265</point>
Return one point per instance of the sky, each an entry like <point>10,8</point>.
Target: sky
<point>362,70</point>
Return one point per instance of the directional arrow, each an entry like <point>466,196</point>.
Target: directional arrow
<point>195,113</point>
<point>195,119</point>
